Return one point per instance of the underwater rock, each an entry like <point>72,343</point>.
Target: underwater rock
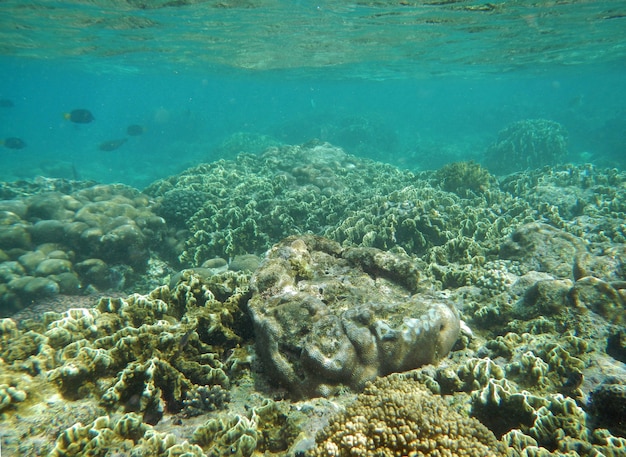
<point>608,406</point>
<point>541,247</point>
<point>616,345</point>
<point>545,297</point>
<point>531,143</point>
<point>606,299</point>
<point>325,316</point>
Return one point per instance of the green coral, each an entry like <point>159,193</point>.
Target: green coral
<point>531,143</point>
<point>463,177</point>
<point>236,436</point>
<point>127,434</point>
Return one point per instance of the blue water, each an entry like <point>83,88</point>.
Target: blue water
<point>414,119</point>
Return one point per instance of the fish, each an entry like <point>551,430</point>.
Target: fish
<point>6,103</point>
<point>14,143</point>
<point>135,130</point>
<point>79,116</point>
<point>112,145</point>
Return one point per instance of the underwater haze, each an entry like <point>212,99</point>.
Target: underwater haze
<point>272,228</point>
<point>415,84</point>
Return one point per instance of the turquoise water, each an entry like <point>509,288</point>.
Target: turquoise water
<point>417,85</point>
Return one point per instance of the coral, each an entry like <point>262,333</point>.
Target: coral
<point>255,201</point>
<point>476,373</point>
<point>531,368</point>
<point>236,436</point>
<point>106,436</point>
<point>99,236</point>
<point>501,407</point>
<point>398,416</point>
<point>560,424</point>
<point>203,399</point>
<point>464,177</point>
<point>542,247</point>
<point>608,405</point>
<point>178,205</point>
<point>531,143</point>
<point>325,316</point>
<point>152,363</point>
<point>10,395</point>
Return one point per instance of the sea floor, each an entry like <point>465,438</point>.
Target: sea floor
<point>132,318</point>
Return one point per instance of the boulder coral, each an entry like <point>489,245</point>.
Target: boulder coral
<point>56,243</point>
<point>327,316</point>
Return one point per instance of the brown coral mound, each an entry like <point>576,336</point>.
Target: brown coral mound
<point>396,416</point>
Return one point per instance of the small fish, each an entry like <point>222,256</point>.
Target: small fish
<point>112,145</point>
<point>14,143</point>
<point>185,338</point>
<point>6,103</point>
<point>135,130</point>
<point>79,116</point>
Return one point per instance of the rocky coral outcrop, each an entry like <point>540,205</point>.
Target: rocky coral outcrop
<point>327,316</point>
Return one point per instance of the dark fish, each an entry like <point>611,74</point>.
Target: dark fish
<point>6,103</point>
<point>185,339</point>
<point>112,145</point>
<point>14,143</point>
<point>135,130</point>
<point>79,116</point>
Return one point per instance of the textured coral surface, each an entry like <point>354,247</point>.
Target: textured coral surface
<point>325,316</point>
<point>527,271</point>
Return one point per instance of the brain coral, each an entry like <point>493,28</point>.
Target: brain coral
<point>396,416</point>
<point>327,316</point>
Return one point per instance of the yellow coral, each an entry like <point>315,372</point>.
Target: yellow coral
<point>396,416</point>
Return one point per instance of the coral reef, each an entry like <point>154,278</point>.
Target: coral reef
<point>531,143</point>
<point>538,357</point>
<point>132,353</point>
<point>327,316</point>
<point>255,201</point>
